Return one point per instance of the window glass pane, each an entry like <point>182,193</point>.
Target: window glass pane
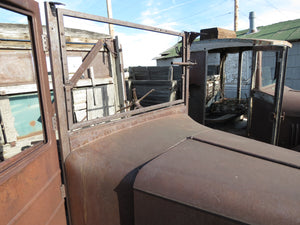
<point>20,116</point>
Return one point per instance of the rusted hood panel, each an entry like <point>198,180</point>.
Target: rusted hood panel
<point>101,174</point>
<point>224,182</point>
<point>291,99</point>
<point>250,147</point>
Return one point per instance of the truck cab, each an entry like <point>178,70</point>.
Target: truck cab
<point>245,94</point>
<point>150,165</point>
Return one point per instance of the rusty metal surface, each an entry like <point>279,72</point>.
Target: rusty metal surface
<point>242,187</point>
<point>290,102</point>
<point>160,211</point>
<point>30,182</point>
<point>118,22</point>
<point>186,59</point>
<point>86,136</point>
<point>234,45</point>
<point>289,137</point>
<point>249,147</point>
<point>57,78</point>
<point>261,114</point>
<point>30,192</point>
<point>101,173</point>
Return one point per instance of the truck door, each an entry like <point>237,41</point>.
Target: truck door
<point>30,175</point>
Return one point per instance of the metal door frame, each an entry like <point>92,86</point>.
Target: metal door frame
<point>280,72</point>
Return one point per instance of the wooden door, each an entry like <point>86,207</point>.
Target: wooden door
<point>30,175</point>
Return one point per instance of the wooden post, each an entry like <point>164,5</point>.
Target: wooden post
<point>109,15</point>
<point>236,14</point>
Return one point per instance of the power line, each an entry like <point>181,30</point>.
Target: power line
<point>274,7</point>
<point>201,11</point>
<point>170,7</point>
<point>209,18</point>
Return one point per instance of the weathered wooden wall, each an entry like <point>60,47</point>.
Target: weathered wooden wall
<point>164,80</point>
<point>93,102</point>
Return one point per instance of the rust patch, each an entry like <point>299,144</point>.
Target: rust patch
<point>32,123</point>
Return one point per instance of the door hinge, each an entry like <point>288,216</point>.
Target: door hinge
<point>45,42</point>
<point>63,191</point>
<point>54,122</point>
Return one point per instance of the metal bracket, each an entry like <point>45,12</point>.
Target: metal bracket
<point>63,191</point>
<point>45,43</point>
<point>109,48</point>
<point>54,122</point>
<point>282,116</point>
<point>53,7</point>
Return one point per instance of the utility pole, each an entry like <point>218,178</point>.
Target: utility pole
<point>109,15</point>
<point>236,14</point>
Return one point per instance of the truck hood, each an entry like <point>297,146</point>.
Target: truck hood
<point>218,174</point>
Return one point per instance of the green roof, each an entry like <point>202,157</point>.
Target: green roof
<point>171,52</point>
<point>285,31</point>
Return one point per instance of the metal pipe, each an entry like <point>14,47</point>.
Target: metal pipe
<point>252,27</point>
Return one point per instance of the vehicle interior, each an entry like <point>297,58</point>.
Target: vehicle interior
<point>249,83</point>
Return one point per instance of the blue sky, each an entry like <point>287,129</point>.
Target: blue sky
<point>191,14</point>
<point>178,15</point>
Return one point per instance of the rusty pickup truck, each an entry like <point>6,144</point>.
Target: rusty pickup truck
<point>151,165</point>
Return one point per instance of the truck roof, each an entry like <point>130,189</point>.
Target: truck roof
<point>236,44</point>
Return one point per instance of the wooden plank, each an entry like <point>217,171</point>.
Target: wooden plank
<point>216,33</point>
<point>86,63</point>
<point>151,73</point>
<point>165,91</point>
<point>18,67</point>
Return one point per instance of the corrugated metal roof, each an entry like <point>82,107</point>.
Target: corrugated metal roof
<point>287,31</point>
